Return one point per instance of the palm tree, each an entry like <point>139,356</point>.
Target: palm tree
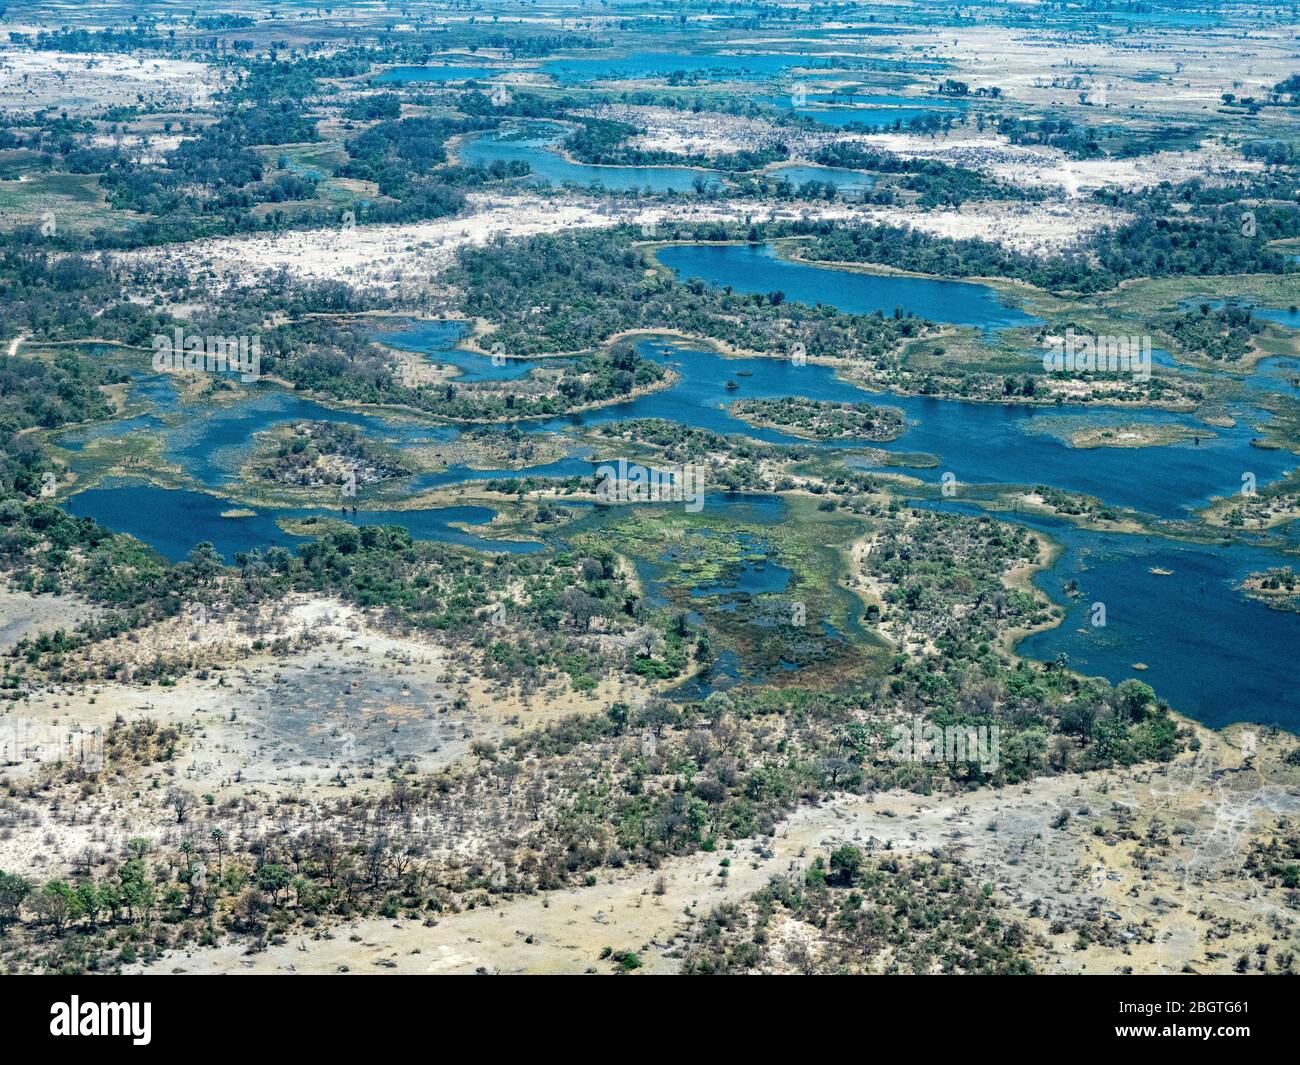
<point>218,840</point>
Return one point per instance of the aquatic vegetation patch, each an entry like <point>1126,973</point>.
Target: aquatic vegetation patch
<point>822,419</point>
<point>1085,432</point>
<point>1278,588</point>
<point>771,591</point>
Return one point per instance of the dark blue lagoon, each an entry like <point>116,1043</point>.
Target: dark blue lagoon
<point>843,179</point>
<point>213,444</point>
<point>172,521</point>
<point>1288,317</point>
<point>1174,608</point>
<point>757,268</point>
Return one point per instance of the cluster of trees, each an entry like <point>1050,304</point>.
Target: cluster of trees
<point>1223,334</point>
<point>216,180</point>
<point>562,293</point>
<point>861,913</point>
<point>313,453</point>
<point>1229,238</point>
<point>48,296</point>
<point>415,585</point>
<point>822,419</point>
<point>340,360</point>
<point>689,444</point>
<point>937,183</point>
<point>583,381</point>
<point>215,172</point>
<point>42,394</point>
<point>603,142</point>
<point>929,563</point>
<point>402,156</point>
<point>1288,88</point>
<point>1088,142</point>
<point>943,583</point>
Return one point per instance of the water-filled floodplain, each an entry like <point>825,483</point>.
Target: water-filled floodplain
<point>1174,609</point>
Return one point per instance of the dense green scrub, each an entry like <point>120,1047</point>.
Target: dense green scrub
<point>822,419</point>
<point>564,293</point>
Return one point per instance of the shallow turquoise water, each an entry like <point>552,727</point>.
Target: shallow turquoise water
<point>216,442</point>
<point>438,339</point>
<point>843,179</point>
<point>980,443</point>
<point>533,145</point>
<point>827,110</point>
<point>1209,651</point>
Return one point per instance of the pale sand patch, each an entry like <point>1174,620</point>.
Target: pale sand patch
<point>1030,166</point>
<point>23,615</point>
<point>325,719</point>
<point>1030,228</point>
<point>393,257</point>
<point>1154,71</point>
<point>711,133</point>
<point>389,256</point>
<point>328,641</point>
<point>30,80</point>
<point>146,149</point>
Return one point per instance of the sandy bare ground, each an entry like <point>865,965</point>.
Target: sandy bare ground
<point>402,257</point>
<point>1154,71</point>
<point>1013,837</point>
<point>31,80</point>
<point>382,255</point>
<point>393,255</point>
<point>1030,166</point>
<point>327,718</point>
<point>23,615</point>
<point>1031,228</point>
<point>711,133</point>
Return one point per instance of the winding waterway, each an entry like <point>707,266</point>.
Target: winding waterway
<point>1173,608</point>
